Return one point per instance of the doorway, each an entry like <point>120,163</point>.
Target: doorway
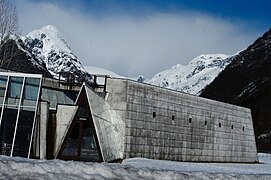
<point>80,143</point>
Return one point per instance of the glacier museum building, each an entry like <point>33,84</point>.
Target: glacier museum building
<point>120,118</point>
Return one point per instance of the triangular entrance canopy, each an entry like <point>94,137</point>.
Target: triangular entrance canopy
<point>81,140</point>
<point>96,133</point>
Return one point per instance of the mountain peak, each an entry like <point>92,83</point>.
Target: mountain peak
<point>195,76</point>
<point>247,82</point>
<point>51,37</point>
<point>47,48</point>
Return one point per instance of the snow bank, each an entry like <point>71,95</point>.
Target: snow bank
<point>136,168</point>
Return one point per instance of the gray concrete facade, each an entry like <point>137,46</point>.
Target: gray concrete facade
<point>109,126</point>
<point>65,114</point>
<point>44,117</point>
<point>166,124</point>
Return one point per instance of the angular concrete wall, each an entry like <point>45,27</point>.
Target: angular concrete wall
<point>109,127</point>
<point>165,124</point>
<point>65,114</point>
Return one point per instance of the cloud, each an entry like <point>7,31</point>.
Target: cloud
<point>129,45</point>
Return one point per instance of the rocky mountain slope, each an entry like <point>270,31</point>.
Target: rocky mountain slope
<point>195,76</point>
<point>42,51</point>
<point>14,57</point>
<point>246,81</point>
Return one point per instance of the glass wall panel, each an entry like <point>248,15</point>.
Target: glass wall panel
<point>25,116</point>
<point>81,113</point>
<point>57,97</point>
<point>31,90</point>
<point>89,151</point>
<point>3,83</point>
<point>7,130</point>
<point>23,133</point>
<point>50,96</point>
<point>71,144</point>
<point>80,144</point>
<point>14,91</point>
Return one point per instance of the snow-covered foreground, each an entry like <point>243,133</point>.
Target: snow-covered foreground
<point>136,168</point>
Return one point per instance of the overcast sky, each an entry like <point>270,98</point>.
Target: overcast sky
<point>139,37</point>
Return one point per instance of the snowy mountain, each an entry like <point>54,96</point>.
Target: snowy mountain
<point>49,46</point>
<point>246,81</point>
<point>46,48</point>
<point>192,78</point>
<point>14,57</point>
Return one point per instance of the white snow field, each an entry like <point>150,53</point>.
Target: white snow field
<point>135,168</point>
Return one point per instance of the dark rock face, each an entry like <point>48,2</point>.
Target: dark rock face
<point>16,59</point>
<point>246,81</point>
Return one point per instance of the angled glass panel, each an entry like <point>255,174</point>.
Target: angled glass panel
<point>81,113</point>
<point>72,142</point>
<point>3,83</point>
<point>89,151</point>
<point>57,97</point>
<point>7,130</point>
<point>24,116</point>
<point>10,114</point>
<point>23,133</point>
<point>14,91</point>
<point>60,97</point>
<point>31,90</point>
<point>80,144</point>
<point>50,96</point>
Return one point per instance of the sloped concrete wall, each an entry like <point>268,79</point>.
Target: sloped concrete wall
<point>109,127</point>
<point>165,124</point>
<point>65,114</point>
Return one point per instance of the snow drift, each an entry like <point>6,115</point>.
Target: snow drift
<point>136,168</point>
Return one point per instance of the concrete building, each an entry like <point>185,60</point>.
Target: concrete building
<point>121,119</point>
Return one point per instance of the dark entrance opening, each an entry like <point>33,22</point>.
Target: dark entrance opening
<point>7,130</point>
<point>80,143</point>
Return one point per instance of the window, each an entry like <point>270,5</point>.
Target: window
<point>18,116</point>
<point>31,88</point>
<point>3,82</point>
<point>7,130</point>
<point>219,124</point>
<point>23,133</point>
<point>80,144</point>
<point>205,123</point>
<point>173,117</point>
<point>190,120</point>
<point>243,128</point>
<point>89,150</point>
<point>154,114</point>
<point>15,87</point>
<point>231,126</point>
<point>72,142</point>
<point>81,113</point>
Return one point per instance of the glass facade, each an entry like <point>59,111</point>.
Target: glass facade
<point>19,95</point>
<point>57,97</point>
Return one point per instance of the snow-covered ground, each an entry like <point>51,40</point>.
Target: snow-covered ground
<point>135,168</point>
